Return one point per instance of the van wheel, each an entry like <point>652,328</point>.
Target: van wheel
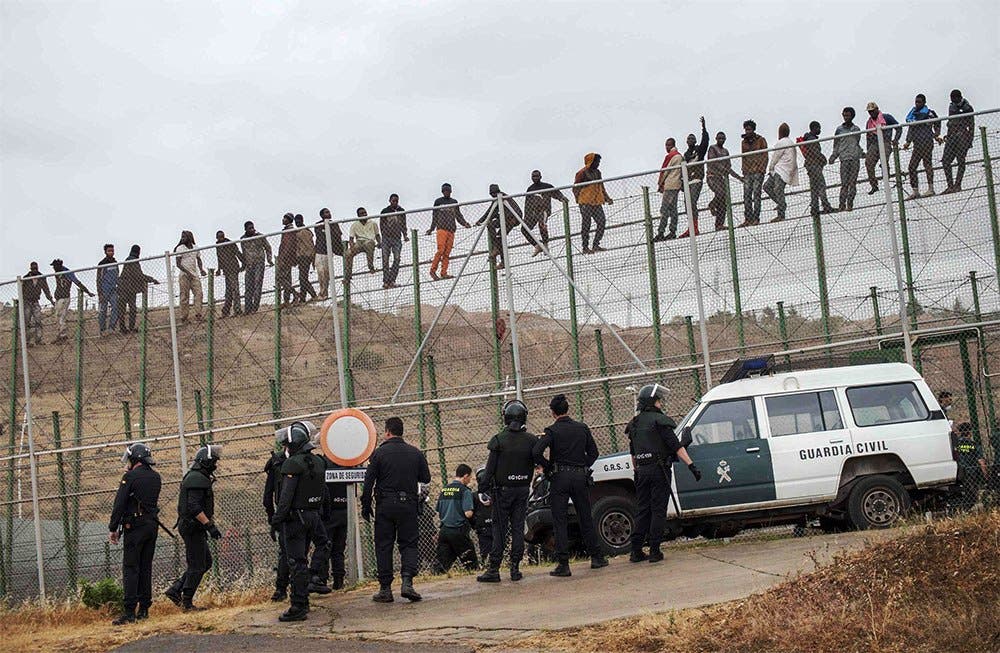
<point>877,502</point>
<point>614,521</point>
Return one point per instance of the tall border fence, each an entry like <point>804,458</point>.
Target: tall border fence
<point>591,290</point>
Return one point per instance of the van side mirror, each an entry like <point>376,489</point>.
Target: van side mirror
<point>686,437</point>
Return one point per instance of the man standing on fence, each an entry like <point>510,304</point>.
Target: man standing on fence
<point>336,243</point>
<point>364,238</point>
<point>509,470</point>
<point>572,451</point>
<point>392,226</point>
<point>107,291</point>
<point>288,254</point>
<point>394,473</point>
<point>958,140</point>
<point>455,509</point>
<point>717,178</point>
<point>815,162</point>
<point>195,510</point>
<point>511,213</point>
<point>445,219</point>
<point>190,271</point>
<point>669,183</point>
<point>921,135</point>
<point>847,147</point>
<point>754,167</point>
<point>133,281</point>
<point>695,154</point>
<point>305,257</point>
<point>873,155</point>
<point>64,282</point>
<point>33,284</point>
<point>230,263</point>
<point>783,170</point>
<point>135,514</point>
<point>256,250</point>
<point>592,196</point>
<point>538,208</point>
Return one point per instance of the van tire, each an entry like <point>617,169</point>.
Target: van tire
<point>877,502</point>
<point>614,521</point>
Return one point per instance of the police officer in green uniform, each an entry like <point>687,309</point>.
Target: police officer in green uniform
<point>455,509</point>
<point>135,514</point>
<point>303,486</point>
<point>334,515</point>
<point>572,451</point>
<point>195,510</point>
<point>272,489</point>
<point>394,472</point>
<point>971,465</point>
<point>509,470</point>
<point>654,446</point>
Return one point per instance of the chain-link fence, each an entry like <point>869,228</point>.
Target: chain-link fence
<point>438,315</point>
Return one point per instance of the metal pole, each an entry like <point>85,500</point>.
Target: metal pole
<point>143,336</point>
<point>177,364</point>
<point>126,419</point>
<point>15,338</point>
<point>199,414</point>
<point>495,314</point>
<point>335,310</point>
<point>210,354</point>
<point>991,417</point>
<point>970,385</point>
<point>78,423</point>
<point>824,295</point>
<point>904,233</point>
<point>696,268</point>
<point>277,347</point>
<point>737,297</point>
<point>509,282</point>
<point>574,327</point>
<point>654,291</point>
<point>32,462</point>
<point>436,412</point>
<point>904,324</point>
<point>272,387</point>
<point>878,316</point>
<point>609,410</point>
<point>783,330</point>
<point>418,328</point>
<point>694,356</point>
<point>991,195</point>
<point>68,544</point>
<point>348,372</point>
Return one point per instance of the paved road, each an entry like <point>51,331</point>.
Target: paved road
<point>235,643</point>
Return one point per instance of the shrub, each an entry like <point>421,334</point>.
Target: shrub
<point>104,593</point>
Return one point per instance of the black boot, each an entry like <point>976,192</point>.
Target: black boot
<point>318,587</point>
<point>280,594</point>
<point>384,594</point>
<point>142,613</point>
<point>638,556</point>
<point>174,596</point>
<point>338,582</point>
<point>491,575</point>
<point>188,606</point>
<point>294,613</point>
<point>598,561</point>
<point>515,571</point>
<point>561,570</point>
<point>127,617</point>
<point>655,555</point>
<point>407,591</point>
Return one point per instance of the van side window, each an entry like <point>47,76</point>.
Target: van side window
<point>891,403</point>
<point>808,412</point>
<point>726,421</point>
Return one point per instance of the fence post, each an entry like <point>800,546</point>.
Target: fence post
<point>890,212</point>
<point>509,279</point>
<point>69,546</point>
<point>878,316</point>
<point>991,195</point>
<point>693,352</point>
<point>277,350</point>
<point>497,357</point>
<point>335,310</point>
<point>199,414</point>
<point>654,291</point>
<point>78,419</point>
<point>904,233</point>
<point>991,417</point>
<point>15,338</point>
<point>436,412</point>
<point>733,267</point>
<point>970,384</point>
<point>143,335</point>
<point>272,387</point>
<point>574,325</point>
<point>783,330</point>
<point>609,410</point>
<point>696,268</point>
<point>177,364</point>
<point>824,295</point>
<point>126,420</point>
<point>32,461</point>
<point>418,330</point>
<point>210,353</point>
<point>348,374</point>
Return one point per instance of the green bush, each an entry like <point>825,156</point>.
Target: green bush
<point>367,359</point>
<point>104,593</point>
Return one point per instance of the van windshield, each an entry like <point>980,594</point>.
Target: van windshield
<point>687,418</point>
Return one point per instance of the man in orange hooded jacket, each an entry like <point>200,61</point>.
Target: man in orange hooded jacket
<point>591,197</point>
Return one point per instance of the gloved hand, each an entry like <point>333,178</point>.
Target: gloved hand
<point>276,521</point>
<point>214,531</point>
<point>274,533</point>
<point>366,513</point>
<point>695,471</point>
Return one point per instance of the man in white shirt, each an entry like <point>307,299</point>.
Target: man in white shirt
<point>364,237</point>
<point>190,272</point>
<point>784,170</point>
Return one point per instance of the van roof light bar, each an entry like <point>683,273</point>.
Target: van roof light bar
<point>744,368</point>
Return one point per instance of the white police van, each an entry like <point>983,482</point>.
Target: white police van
<point>853,446</point>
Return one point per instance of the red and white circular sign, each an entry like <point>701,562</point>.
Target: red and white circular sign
<point>348,437</point>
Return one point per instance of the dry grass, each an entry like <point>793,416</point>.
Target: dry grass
<point>75,628</point>
<point>935,589</point>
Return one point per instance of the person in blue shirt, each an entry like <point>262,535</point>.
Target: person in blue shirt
<point>455,509</point>
<point>921,134</point>
<point>107,291</point>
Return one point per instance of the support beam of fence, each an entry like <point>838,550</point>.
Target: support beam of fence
<point>574,325</point>
<point>991,417</point>
<point>696,270</point>
<point>734,269</point>
<point>991,197</point>
<point>654,289</point>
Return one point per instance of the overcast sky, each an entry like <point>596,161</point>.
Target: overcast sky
<point>129,121</point>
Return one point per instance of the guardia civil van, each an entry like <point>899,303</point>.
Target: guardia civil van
<point>852,446</point>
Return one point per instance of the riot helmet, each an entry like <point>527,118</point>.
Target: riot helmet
<point>515,415</point>
<point>649,394</point>
<point>208,456</point>
<point>483,486</point>
<point>298,437</point>
<point>137,452</point>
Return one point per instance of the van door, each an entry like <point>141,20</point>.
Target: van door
<point>809,443</point>
<point>735,461</point>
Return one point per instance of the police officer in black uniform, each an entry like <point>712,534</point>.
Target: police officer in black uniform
<point>303,486</point>
<point>195,510</point>
<point>572,451</point>
<point>654,446</point>
<point>135,514</point>
<point>272,488</point>
<point>482,515</point>
<point>394,472</point>
<point>508,474</point>
<point>334,516</point>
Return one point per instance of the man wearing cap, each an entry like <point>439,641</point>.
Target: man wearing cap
<point>511,214</point>
<point>876,119</point>
<point>445,219</point>
<point>64,281</point>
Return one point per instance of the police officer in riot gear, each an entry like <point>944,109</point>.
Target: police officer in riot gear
<point>572,451</point>
<point>195,511</point>
<point>482,515</point>
<point>135,514</point>
<point>334,516</point>
<point>272,488</point>
<point>394,472</point>
<point>303,486</point>
<point>509,470</point>
<point>654,446</point>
